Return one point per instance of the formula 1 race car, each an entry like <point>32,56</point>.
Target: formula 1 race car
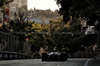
<point>54,56</point>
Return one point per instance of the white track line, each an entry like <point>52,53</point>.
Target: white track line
<point>86,63</point>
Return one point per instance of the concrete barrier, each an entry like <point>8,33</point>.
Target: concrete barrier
<point>11,55</point>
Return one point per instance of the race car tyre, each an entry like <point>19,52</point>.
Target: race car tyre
<point>44,57</point>
<point>63,57</point>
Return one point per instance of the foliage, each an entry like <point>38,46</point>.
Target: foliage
<point>38,39</point>
<point>74,42</point>
<point>2,2</point>
<point>84,8</point>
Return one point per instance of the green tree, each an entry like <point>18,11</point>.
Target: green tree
<point>84,8</point>
<point>3,2</point>
<point>74,42</point>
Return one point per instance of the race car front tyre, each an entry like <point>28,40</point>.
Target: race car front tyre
<point>63,57</point>
<point>44,57</point>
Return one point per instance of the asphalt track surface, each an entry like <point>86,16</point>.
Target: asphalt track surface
<point>38,62</point>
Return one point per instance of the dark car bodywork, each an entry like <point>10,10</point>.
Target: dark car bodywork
<point>55,56</point>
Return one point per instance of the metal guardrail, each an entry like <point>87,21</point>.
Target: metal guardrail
<point>9,42</point>
<point>12,48</point>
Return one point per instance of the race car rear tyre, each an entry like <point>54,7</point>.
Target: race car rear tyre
<point>44,57</point>
<point>63,57</point>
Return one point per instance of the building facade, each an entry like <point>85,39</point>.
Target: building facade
<point>15,7</point>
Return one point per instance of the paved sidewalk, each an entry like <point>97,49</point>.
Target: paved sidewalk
<point>94,63</point>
